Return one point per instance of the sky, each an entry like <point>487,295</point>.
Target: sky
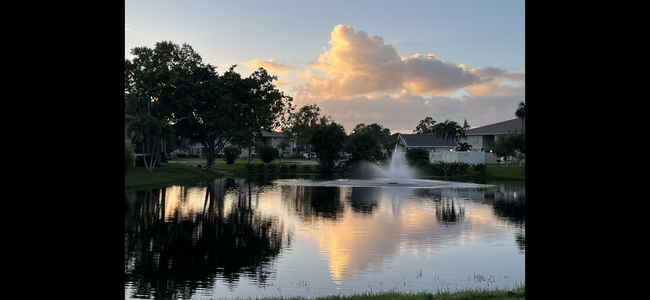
<point>387,62</point>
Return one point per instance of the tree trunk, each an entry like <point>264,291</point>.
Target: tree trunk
<point>209,155</point>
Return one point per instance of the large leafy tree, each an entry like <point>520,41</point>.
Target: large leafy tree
<point>425,126</point>
<point>302,125</point>
<point>327,139</point>
<point>149,132</point>
<point>227,109</point>
<point>371,142</point>
<point>511,144</point>
<point>149,73</point>
<point>174,84</point>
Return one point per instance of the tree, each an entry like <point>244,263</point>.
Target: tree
<point>149,132</point>
<point>173,83</point>
<point>425,126</point>
<point>450,130</point>
<point>327,140</point>
<point>231,154</point>
<point>463,147</point>
<point>414,155</point>
<point>225,109</point>
<point>149,73</point>
<point>281,146</point>
<point>511,144</point>
<point>302,125</point>
<point>521,113</point>
<point>267,153</point>
<point>371,142</point>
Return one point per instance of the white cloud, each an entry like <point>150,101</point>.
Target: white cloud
<point>360,79</point>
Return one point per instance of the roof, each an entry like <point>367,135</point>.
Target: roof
<point>426,140</point>
<point>496,128</point>
<point>272,134</point>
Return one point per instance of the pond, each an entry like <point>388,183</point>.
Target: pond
<point>251,238</point>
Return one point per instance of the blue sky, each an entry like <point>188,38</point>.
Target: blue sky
<point>387,62</point>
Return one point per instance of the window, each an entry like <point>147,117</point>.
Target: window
<point>475,139</point>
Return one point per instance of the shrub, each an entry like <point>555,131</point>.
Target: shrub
<point>293,167</point>
<point>283,168</point>
<point>250,168</point>
<point>231,153</point>
<point>261,167</point>
<point>480,169</point>
<point>417,154</point>
<point>305,168</point>
<point>271,167</point>
<point>268,153</point>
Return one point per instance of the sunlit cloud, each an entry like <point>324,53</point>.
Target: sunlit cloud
<point>271,66</point>
<point>360,79</point>
<point>362,65</point>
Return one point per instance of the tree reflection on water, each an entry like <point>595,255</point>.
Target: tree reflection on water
<point>167,258</point>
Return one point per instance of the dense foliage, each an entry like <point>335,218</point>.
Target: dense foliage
<point>328,139</point>
<point>415,155</point>
<point>231,154</point>
<point>267,153</point>
<point>370,143</point>
<point>172,84</point>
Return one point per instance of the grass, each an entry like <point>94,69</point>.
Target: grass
<point>166,174</point>
<point>239,167</point>
<point>513,172</point>
<point>518,292</point>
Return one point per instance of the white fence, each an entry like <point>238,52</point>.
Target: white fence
<point>472,157</point>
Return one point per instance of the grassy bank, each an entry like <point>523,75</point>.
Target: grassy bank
<point>493,294</point>
<point>166,174</point>
<point>494,172</point>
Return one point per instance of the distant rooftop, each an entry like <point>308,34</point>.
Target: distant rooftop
<point>496,128</point>
<point>425,140</point>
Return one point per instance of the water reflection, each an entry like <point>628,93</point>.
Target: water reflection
<point>231,235</point>
<point>171,251</point>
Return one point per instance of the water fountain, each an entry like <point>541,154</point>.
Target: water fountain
<point>398,169</point>
<point>398,173</point>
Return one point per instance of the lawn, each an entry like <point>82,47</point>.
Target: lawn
<point>166,174</point>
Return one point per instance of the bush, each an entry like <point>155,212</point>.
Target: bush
<point>271,167</point>
<point>231,153</point>
<point>250,168</point>
<point>261,167</point>
<point>305,168</point>
<point>268,153</point>
<point>480,169</point>
<point>283,168</point>
<point>293,167</point>
<point>417,154</point>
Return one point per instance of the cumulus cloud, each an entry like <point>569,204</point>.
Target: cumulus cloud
<point>271,66</point>
<point>362,65</point>
<point>360,79</point>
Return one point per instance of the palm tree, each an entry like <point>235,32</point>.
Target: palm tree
<point>281,146</point>
<point>149,131</point>
<point>521,113</point>
<point>450,130</point>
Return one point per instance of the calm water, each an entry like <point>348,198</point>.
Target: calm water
<point>252,238</point>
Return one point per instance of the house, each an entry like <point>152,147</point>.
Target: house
<point>427,141</point>
<point>273,139</point>
<point>482,138</point>
<point>127,121</point>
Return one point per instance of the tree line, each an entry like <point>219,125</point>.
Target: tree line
<point>182,100</point>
